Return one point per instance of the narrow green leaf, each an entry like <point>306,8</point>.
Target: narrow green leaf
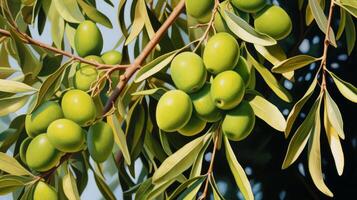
<point>69,10</point>
<point>334,142</point>
<point>10,165</point>
<point>347,89</point>
<point>57,22</point>
<point>246,32</point>
<point>5,72</point>
<point>156,92</point>
<point>294,63</point>
<point>298,106</point>
<point>103,187</point>
<point>186,184</point>
<point>12,104</point>
<point>179,161</point>
<point>94,14</point>
<point>349,6</point>
<point>119,137</point>
<point>269,78</point>
<point>70,187</point>
<point>15,86</point>
<point>350,30</point>
<point>70,32</point>
<point>301,136</point>
<point>268,112</point>
<point>10,183</point>
<point>191,191</point>
<point>238,172</point>
<point>138,23</point>
<point>321,20</point>
<point>159,189</point>
<point>342,24</point>
<point>216,193</point>
<point>274,54</point>
<point>314,154</point>
<point>334,115</point>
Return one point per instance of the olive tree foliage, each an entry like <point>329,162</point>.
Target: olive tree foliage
<point>159,30</point>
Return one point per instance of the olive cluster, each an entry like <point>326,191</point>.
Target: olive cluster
<point>55,129</point>
<point>197,102</point>
<point>268,19</point>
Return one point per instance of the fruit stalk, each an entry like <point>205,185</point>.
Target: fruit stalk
<point>129,71</point>
<point>29,40</point>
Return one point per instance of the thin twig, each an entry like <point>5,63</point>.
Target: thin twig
<point>326,45</point>
<point>209,24</point>
<point>129,72</point>
<point>210,168</point>
<point>29,40</point>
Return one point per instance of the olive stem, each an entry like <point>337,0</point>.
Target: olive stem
<point>209,24</point>
<point>326,46</point>
<point>29,40</point>
<point>129,71</point>
<point>210,168</point>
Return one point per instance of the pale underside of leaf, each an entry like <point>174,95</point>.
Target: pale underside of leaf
<point>347,89</point>
<point>10,165</point>
<point>293,63</point>
<point>334,115</point>
<point>69,10</point>
<point>15,86</point>
<point>70,186</point>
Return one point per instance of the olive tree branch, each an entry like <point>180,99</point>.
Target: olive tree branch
<point>210,168</point>
<point>129,71</point>
<point>29,40</point>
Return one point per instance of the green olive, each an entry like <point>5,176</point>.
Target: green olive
<point>38,121</point>
<point>88,39</point>
<point>100,141</point>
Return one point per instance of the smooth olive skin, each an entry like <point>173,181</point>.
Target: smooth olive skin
<point>250,6</point>
<point>199,8</point>
<point>41,155</point>
<point>88,39</point>
<point>173,110</point>
<point>281,27</point>
<point>188,72</point>
<point>44,191</point>
<point>112,57</point>
<point>65,135</point>
<point>239,122</point>
<point>193,127</point>
<point>23,147</point>
<point>85,77</point>
<point>38,121</point>
<point>79,107</point>
<point>100,141</point>
<point>221,53</point>
<point>243,69</point>
<point>227,90</point>
<point>204,105</point>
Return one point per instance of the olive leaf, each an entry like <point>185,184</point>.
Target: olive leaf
<point>349,6</point>
<point>314,153</point>
<point>5,72</point>
<point>347,89</point>
<point>156,92</point>
<point>138,23</point>
<point>342,24</point>
<point>334,115</point>
<point>69,186</point>
<point>69,10</point>
<point>10,183</point>
<point>294,112</point>
<point>179,161</point>
<point>334,142</point>
<point>94,14</point>
<point>186,184</point>
<point>293,63</point>
<point>12,104</point>
<point>10,165</point>
<point>246,32</point>
<point>268,112</point>
<point>237,171</point>
<point>15,87</point>
<point>350,30</point>
<point>301,136</point>
<point>57,22</point>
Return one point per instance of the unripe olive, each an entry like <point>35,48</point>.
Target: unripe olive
<point>281,26</point>
<point>38,121</point>
<point>41,155</point>
<point>221,53</point>
<point>239,122</point>
<point>23,148</point>
<point>188,72</point>
<point>173,110</point>
<point>79,107</point>
<point>243,70</point>
<point>85,77</point>
<point>65,135</point>
<point>227,90</point>
<point>44,191</point>
<point>88,39</point>
<point>204,105</point>
<point>193,127</point>
<point>112,57</point>
<point>250,6</point>
<point>100,141</point>
<point>199,8</point>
